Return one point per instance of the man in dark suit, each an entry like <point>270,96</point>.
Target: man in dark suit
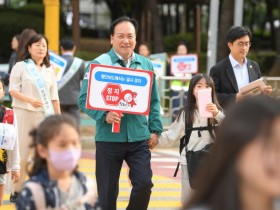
<point>70,84</point>
<point>235,71</point>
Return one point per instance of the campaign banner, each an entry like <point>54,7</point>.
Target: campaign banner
<point>184,64</point>
<point>120,89</point>
<point>59,65</point>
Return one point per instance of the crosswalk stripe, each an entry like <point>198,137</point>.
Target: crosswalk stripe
<point>165,193</point>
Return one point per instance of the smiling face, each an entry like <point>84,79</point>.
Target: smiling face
<point>38,50</point>
<point>124,39</point>
<point>240,48</point>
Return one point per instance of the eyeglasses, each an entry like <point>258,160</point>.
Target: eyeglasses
<point>242,44</point>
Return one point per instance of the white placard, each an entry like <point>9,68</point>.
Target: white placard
<point>183,64</point>
<point>120,89</point>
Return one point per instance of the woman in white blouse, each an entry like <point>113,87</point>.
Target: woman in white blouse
<point>34,91</point>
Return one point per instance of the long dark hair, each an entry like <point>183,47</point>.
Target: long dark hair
<point>247,120</point>
<point>191,101</point>
<point>25,36</point>
<point>49,128</point>
<point>34,39</point>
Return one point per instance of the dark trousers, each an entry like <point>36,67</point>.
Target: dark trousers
<point>72,110</point>
<point>109,160</point>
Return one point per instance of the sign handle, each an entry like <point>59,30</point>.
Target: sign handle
<point>116,127</point>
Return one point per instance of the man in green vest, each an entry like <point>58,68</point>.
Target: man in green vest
<point>138,133</point>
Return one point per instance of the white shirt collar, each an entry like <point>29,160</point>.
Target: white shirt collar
<point>129,59</point>
<point>68,53</point>
<point>235,62</point>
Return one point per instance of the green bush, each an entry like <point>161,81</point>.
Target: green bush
<point>87,55</point>
<point>264,59</point>
<point>13,21</point>
<point>170,42</point>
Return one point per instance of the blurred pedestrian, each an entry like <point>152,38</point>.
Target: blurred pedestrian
<point>242,171</point>
<point>179,88</point>
<point>9,157</point>
<point>137,134</point>
<point>71,79</point>
<point>34,91</point>
<point>55,182</point>
<point>13,57</point>
<point>199,132</point>
<point>144,49</point>
<point>236,70</point>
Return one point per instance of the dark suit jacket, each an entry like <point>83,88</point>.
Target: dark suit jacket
<point>225,81</point>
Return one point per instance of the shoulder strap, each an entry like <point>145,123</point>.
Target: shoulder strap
<point>90,196</point>
<point>184,142</point>
<point>9,116</point>
<point>38,194</point>
<point>210,128</point>
<point>75,66</point>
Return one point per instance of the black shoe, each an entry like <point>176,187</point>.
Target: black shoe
<point>13,197</point>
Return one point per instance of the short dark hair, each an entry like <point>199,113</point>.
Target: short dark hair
<point>67,43</point>
<point>236,32</point>
<point>123,19</point>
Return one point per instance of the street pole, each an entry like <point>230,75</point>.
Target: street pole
<point>212,34</point>
<point>238,12</point>
<point>76,25</point>
<point>52,23</point>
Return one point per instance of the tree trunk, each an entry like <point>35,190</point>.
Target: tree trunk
<point>275,70</point>
<point>156,27</point>
<point>226,21</point>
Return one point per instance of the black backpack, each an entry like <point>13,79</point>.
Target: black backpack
<point>185,139</point>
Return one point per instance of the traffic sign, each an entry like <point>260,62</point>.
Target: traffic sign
<point>114,88</point>
<point>112,94</point>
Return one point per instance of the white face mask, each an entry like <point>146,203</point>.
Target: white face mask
<point>65,160</point>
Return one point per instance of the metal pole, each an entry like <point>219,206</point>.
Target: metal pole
<point>238,12</point>
<point>212,34</point>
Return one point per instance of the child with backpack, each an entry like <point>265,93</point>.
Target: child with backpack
<point>193,131</point>
<point>55,182</point>
<point>9,151</point>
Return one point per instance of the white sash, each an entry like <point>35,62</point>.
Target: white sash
<point>40,85</point>
<point>70,73</point>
